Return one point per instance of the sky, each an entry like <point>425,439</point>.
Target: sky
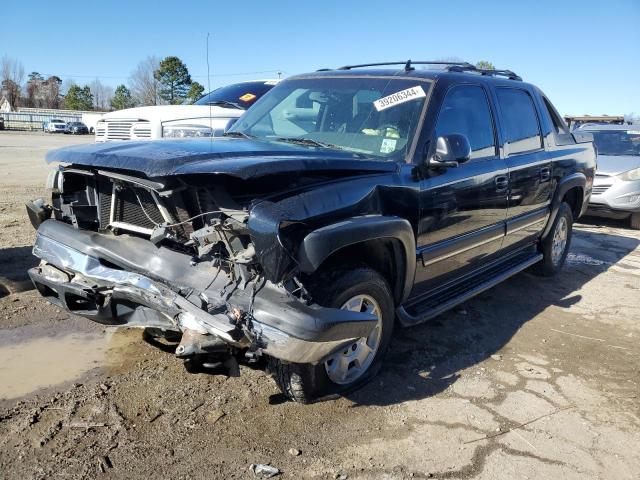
<point>585,55</point>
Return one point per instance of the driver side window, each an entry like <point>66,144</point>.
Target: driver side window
<point>465,110</point>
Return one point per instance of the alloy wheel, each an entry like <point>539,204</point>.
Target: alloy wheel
<point>350,363</point>
<point>559,242</point>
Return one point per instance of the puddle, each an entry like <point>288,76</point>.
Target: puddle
<point>28,365</point>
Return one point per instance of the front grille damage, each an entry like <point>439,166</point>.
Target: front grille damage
<point>180,257</point>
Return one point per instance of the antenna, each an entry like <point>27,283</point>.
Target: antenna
<point>209,88</point>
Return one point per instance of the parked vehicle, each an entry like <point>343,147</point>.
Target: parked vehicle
<point>576,121</point>
<point>342,204</point>
<point>55,125</point>
<point>208,117</point>
<point>76,128</point>
<point>616,189</point>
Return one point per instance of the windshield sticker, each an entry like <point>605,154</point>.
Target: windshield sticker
<point>247,97</point>
<point>388,145</point>
<point>399,97</point>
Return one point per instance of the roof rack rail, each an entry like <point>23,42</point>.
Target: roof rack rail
<point>490,72</point>
<point>408,65</point>
<point>450,67</point>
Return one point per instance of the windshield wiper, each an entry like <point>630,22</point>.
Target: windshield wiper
<point>226,103</point>
<point>308,141</point>
<point>237,135</point>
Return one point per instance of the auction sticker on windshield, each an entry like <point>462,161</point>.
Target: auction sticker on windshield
<point>399,97</point>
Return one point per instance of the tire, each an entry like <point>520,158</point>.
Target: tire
<point>552,262</point>
<point>305,383</point>
<point>634,221</point>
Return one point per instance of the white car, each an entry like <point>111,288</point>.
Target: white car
<point>55,125</point>
<point>208,117</point>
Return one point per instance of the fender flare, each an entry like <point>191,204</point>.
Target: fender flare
<point>318,245</point>
<point>574,180</point>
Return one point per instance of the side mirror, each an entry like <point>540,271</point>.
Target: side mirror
<point>451,150</point>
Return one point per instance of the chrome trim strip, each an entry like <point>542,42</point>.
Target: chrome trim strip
<point>526,225</point>
<point>462,250</point>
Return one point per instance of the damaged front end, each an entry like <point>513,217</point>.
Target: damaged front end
<point>196,255</point>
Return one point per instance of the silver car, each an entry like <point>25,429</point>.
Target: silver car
<point>616,189</point>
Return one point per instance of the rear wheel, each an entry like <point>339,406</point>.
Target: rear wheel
<point>555,247</point>
<point>634,221</point>
<point>358,289</point>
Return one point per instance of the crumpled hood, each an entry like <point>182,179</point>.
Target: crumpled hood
<point>617,164</point>
<point>241,158</point>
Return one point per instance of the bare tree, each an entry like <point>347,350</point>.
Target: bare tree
<point>51,89</point>
<point>67,84</point>
<point>34,90</point>
<point>144,86</point>
<point>102,95</point>
<point>11,76</point>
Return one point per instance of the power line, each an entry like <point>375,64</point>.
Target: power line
<point>234,74</point>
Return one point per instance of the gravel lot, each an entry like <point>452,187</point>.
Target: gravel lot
<point>536,378</point>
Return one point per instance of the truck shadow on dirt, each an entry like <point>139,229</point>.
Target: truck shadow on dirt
<point>427,359</point>
<point>14,263</point>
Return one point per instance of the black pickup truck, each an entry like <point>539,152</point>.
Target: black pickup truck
<point>344,203</point>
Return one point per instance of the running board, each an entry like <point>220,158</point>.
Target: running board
<point>442,300</point>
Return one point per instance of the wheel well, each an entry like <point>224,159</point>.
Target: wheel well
<point>574,198</point>
<point>383,255</point>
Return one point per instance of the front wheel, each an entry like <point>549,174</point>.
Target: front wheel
<point>555,247</point>
<point>360,289</point>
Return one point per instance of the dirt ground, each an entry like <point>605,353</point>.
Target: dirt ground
<point>536,378</point>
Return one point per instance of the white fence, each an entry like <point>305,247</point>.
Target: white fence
<point>36,121</point>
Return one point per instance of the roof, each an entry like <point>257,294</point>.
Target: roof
<point>421,69</point>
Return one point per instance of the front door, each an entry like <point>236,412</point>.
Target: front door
<point>462,210</point>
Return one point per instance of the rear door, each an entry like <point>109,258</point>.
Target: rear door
<point>529,165</point>
<point>462,210</point>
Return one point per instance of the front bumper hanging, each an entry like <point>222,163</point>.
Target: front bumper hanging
<point>128,281</point>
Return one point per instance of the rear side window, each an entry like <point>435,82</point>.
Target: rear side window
<point>519,120</point>
<point>558,124</point>
<point>465,110</point>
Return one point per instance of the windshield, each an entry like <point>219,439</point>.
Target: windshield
<point>239,95</point>
<point>376,117</point>
<point>617,142</point>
